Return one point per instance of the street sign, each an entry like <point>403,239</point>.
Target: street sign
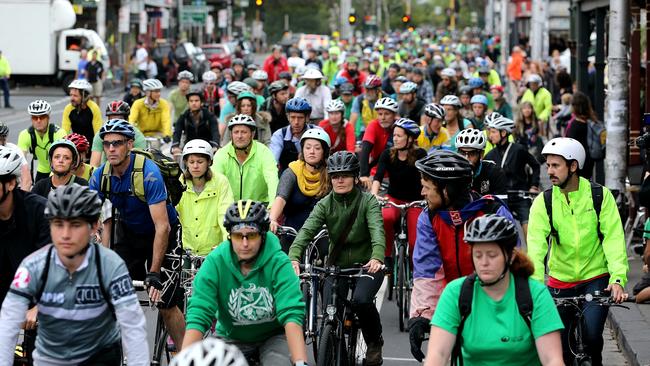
<point>124,18</point>
<point>194,14</point>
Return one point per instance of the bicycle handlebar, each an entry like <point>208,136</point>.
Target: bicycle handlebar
<point>601,298</point>
<point>405,206</point>
<point>337,271</point>
<point>288,230</point>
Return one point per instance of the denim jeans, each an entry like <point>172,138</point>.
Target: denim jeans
<point>594,317</point>
<point>4,85</point>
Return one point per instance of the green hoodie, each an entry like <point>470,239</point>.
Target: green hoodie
<point>366,238</point>
<point>249,308</point>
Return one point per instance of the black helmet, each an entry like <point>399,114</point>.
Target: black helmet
<point>194,91</point>
<point>238,61</point>
<point>247,213</point>
<point>343,162</point>
<point>445,165</point>
<point>491,228</point>
<point>278,85</point>
<point>4,130</point>
<point>73,201</point>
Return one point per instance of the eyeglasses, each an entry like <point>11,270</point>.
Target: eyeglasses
<point>114,143</point>
<point>254,235</point>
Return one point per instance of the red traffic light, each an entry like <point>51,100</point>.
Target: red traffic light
<point>406,18</point>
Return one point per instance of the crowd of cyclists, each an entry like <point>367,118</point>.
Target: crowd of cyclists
<point>309,142</point>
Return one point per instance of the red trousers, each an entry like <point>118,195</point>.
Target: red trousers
<point>391,223</point>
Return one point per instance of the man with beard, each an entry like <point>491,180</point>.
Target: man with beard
<point>63,159</point>
<point>315,93</point>
<point>353,75</point>
<point>82,115</point>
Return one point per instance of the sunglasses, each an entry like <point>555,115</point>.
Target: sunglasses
<point>114,143</point>
<point>241,236</point>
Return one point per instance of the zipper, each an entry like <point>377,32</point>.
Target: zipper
<point>457,250</point>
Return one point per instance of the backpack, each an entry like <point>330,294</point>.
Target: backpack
<point>524,304</point>
<point>169,169</point>
<point>596,137</point>
<point>596,198</point>
<point>98,264</point>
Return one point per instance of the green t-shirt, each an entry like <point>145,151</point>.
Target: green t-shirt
<point>494,332</point>
<point>42,147</point>
<point>178,102</point>
<point>646,229</point>
<point>139,143</point>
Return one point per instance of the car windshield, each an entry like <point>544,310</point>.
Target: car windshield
<point>211,51</point>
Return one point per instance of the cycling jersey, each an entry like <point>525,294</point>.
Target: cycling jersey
<point>340,143</point>
<point>41,150</point>
<point>248,308</point>
<point>151,120</point>
<point>255,179</point>
<point>74,318</point>
<point>441,254</point>
<point>427,141</point>
<point>376,139</point>
<point>202,125</point>
<point>581,255</point>
<point>85,121</point>
<point>509,340</point>
<point>489,179</point>
<point>201,214</point>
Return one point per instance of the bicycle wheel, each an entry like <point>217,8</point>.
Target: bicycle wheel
<point>408,287</point>
<point>309,336</point>
<point>328,350</point>
<point>401,284</point>
<point>357,346</point>
<point>160,343</point>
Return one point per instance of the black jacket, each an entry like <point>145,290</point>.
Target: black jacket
<point>521,168</point>
<point>278,120</point>
<point>26,231</point>
<point>490,179</point>
<point>207,129</point>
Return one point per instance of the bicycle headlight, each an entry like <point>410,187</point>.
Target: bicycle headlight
<point>331,310</point>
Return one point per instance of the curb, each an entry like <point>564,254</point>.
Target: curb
<point>632,333</point>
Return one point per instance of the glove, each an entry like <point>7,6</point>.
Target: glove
<point>167,139</point>
<point>153,280</point>
<point>418,327</point>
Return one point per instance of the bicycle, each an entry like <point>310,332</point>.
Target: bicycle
<point>160,336</point>
<point>402,275</point>
<point>581,358</point>
<point>341,341</point>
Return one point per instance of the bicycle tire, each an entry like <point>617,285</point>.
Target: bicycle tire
<point>328,350</point>
<point>306,295</point>
<point>401,285</point>
<point>160,343</point>
<point>357,346</point>
<point>408,283</point>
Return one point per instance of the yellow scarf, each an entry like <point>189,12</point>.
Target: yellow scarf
<point>308,182</point>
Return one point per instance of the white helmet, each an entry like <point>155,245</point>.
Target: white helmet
<point>492,117</point>
<point>451,100</point>
<point>448,72</point>
<point>210,351</point>
<point>209,77</point>
<point>185,75</point>
<point>312,73</point>
<point>260,75</point>
<point>238,87</point>
<point>470,138</point>
<point>566,147</point>
<point>387,103</point>
<point>39,108</point>
<point>242,119</point>
<point>152,84</point>
<point>502,124</point>
<point>197,146</point>
<point>316,133</point>
<point>335,105</point>
<point>81,85</point>
<point>534,78</point>
<point>10,161</point>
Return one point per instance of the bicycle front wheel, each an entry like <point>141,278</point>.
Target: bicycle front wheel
<point>357,348</point>
<point>328,350</point>
<point>401,285</point>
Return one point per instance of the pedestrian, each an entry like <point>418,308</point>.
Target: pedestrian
<point>152,68</point>
<point>5,74</point>
<point>81,65</point>
<point>96,75</point>
<point>141,55</point>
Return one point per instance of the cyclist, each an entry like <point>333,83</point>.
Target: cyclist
<point>440,255</point>
<point>340,130</point>
<point>353,220</point>
<point>116,109</point>
<point>347,98</point>
<point>521,168</point>
<point>433,135</point>
<point>275,104</point>
<point>399,161</point>
<point>304,182</point>
<point>248,164</point>
<point>363,109</point>
<point>63,159</point>
<point>195,123</point>
<point>316,94</point>
<point>501,105</point>
<point>232,91</point>
<point>465,95</point>
<point>488,178</point>
<point>151,114</point>
<point>540,97</point>
<point>353,75</point>
<point>247,104</point>
<point>238,68</point>
<point>410,106</point>
<point>377,138</point>
<point>497,266</point>
<point>135,92</point>
<point>478,88</point>
<point>211,93</point>
<point>454,121</point>
<point>285,142</point>
<point>248,272</point>
<point>86,302</point>
<point>204,202</point>
<point>26,183</point>
<point>448,84</point>
<point>262,79</point>
<point>37,139</point>
<point>81,170</point>
<point>210,351</point>
<point>424,87</point>
<point>142,230</point>
<point>82,115</point>
<point>587,251</point>
<point>178,97</point>
<point>479,106</point>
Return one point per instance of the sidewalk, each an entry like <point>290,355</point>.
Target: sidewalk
<point>632,327</point>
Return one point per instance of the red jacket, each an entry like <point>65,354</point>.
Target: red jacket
<point>336,142</point>
<point>357,81</point>
<point>274,67</point>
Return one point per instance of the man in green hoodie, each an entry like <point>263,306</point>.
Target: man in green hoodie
<point>248,284</point>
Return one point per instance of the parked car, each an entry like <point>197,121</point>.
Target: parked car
<point>219,52</point>
<point>187,56</point>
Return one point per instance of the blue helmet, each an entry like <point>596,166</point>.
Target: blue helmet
<point>297,104</point>
<point>479,99</point>
<point>119,126</point>
<point>340,80</point>
<point>411,128</point>
<point>475,83</point>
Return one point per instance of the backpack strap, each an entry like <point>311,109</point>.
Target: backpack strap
<point>464,308</point>
<point>32,137</point>
<point>597,199</point>
<point>44,275</point>
<point>105,183</point>
<point>137,177</point>
<point>524,299</point>
<point>50,132</point>
<point>548,202</point>
<point>100,278</point>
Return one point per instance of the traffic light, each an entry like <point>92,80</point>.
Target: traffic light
<point>406,19</point>
<point>352,19</point>
<point>259,2</point>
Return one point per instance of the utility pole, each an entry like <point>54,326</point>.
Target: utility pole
<point>100,18</point>
<point>489,17</point>
<point>229,10</point>
<point>505,40</point>
<point>617,111</point>
<point>537,30</point>
<point>346,29</point>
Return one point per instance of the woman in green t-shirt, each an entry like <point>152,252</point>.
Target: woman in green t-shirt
<point>494,332</point>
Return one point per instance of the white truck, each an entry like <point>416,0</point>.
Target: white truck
<point>39,43</point>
